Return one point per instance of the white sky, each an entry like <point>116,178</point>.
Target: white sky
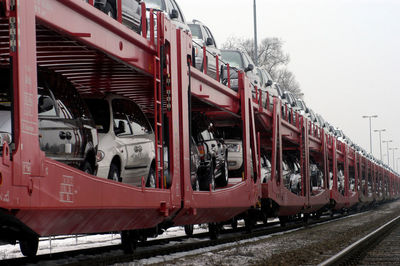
<point>344,53</point>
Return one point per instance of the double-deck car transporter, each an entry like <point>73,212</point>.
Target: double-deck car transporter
<point>43,197</point>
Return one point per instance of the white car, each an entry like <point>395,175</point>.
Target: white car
<point>202,36</point>
<point>126,149</point>
<point>235,156</point>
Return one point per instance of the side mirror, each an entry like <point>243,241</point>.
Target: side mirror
<point>174,14</point>
<point>269,83</point>
<point>209,41</point>
<point>45,104</point>
<point>250,67</point>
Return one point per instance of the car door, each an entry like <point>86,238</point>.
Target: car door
<point>144,139</point>
<point>124,137</point>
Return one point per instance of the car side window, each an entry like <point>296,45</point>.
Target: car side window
<point>120,122</point>
<point>46,103</point>
<point>65,113</point>
<point>208,32</point>
<point>169,6</point>
<point>205,135</point>
<point>180,15</point>
<point>138,121</point>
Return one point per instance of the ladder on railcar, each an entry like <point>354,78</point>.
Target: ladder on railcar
<point>158,106</point>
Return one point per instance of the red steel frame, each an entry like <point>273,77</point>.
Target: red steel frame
<point>52,198</point>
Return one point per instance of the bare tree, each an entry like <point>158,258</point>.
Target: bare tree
<point>288,81</point>
<point>272,57</point>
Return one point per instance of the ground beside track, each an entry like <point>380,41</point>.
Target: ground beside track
<point>308,246</point>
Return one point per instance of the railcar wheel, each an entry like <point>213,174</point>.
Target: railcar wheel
<point>249,223</point>
<point>128,241</point>
<point>234,223</point>
<point>189,229</point>
<point>283,220</point>
<point>213,230</point>
<point>29,246</point>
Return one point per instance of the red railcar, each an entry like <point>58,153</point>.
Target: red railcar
<point>42,197</point>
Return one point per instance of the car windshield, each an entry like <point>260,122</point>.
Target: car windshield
<point>101,114</point>
<point>300,104</point>
<point>196,31</point>
<point>233,58</point>
<point>155,4</point>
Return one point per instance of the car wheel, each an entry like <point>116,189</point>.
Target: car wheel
<point>223,178</point>
<point>109,10</point>
<point>87,168</point>
<point>114,173</point>
<point>151,179</point>
<point>189,229</point>
<point>208,179</point>
<point>29,246</point>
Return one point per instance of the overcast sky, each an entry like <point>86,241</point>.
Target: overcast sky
<point>344,53</point>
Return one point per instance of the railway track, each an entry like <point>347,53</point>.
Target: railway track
<point>113,254</point>
<point>378,247</point>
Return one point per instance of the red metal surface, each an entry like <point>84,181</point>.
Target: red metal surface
<point>98,55</point>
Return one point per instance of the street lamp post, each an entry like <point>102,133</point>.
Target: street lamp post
<point>255,35</point>
<point>380,139</point>
<point>370,130</point>
<point>393,149</point>
<point>387,147</point>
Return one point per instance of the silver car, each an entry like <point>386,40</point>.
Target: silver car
<point>202,37</point>
<point>237,60</point>
<point>126,140</point>
<point>131,11</point>
<point>171,10</point>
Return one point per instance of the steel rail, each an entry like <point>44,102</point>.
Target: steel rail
<point>362,246</point>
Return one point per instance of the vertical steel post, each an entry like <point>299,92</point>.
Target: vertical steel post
<point>255,34</point>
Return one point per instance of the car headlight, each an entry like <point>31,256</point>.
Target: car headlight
<point>100,155</point>
<point>233,147</point>
<point>5,137</point>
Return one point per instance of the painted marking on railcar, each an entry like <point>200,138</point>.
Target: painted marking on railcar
<point>66,189</point>
<point>26,168</point>
<point>5,197</point>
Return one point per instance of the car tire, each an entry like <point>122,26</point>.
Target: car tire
<point>109,10</point>
<point>189,229</point>
<point>208,179</point>
<point>223,178</point>
<point>151,179</point>
<point>87,168</point>
<point>114,173</point>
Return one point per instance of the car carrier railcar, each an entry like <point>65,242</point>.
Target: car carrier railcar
<point>43,197</point>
